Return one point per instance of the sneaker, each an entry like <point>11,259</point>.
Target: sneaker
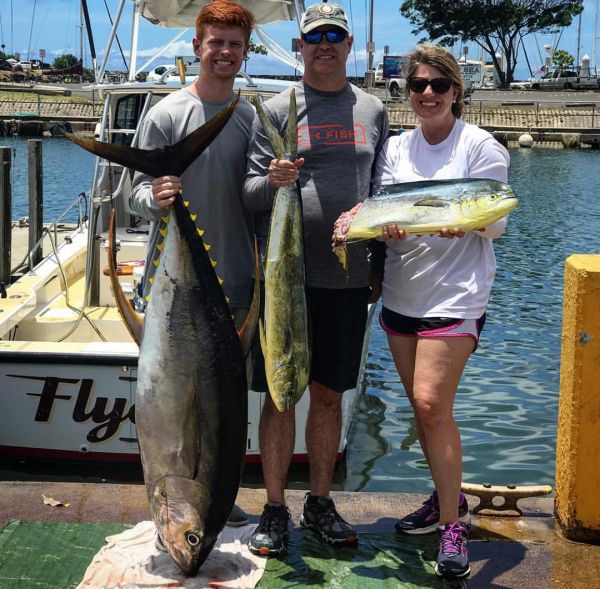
<point>322,518</point>
<point>453,558</point>
<point>427,518</point>
<point>237,518</point>
<point>271,534</point>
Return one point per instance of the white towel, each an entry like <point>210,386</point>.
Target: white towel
<point>130,560</point>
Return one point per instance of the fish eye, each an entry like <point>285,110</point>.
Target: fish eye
<point>192,539</point>
<point>494,196</point>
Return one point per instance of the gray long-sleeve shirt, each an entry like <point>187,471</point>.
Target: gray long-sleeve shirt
<point>339,135</point>
<point>212,184</point>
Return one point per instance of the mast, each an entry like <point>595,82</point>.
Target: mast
<point>370,77</point>
<point>595,36</point>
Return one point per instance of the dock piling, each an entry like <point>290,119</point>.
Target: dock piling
<point>36,198</point>
<point>578,438</point>
<point>5,214</point>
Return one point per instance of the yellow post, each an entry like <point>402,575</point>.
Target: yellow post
<point>577,506</point>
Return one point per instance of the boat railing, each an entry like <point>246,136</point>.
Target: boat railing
<point>51,231</point>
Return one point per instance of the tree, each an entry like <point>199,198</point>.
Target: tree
<point>254,48</point>
<point>562,59</point>
<point>64,61</point>
<point>497,26</point>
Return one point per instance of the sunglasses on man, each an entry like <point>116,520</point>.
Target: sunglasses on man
<point>438,85</point>
<point>335,36</point>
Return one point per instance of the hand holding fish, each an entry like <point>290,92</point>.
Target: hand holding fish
<point>392,232</point>
<point>342,225</point>
<point>164,190</point>
<point>284,172</point>
<point>450,233</point>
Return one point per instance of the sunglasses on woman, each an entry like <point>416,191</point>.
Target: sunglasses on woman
<point>335,36</point>
<point>438,85</point>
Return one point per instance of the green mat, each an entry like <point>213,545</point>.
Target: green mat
<point>49,555</point>
<point>55,555</point>
<point>382,561</point>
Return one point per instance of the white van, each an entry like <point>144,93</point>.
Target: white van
<point>379,81</point>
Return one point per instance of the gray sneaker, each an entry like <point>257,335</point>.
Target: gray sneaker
<point>271,534</point>
<point>321,516</point>
<point>237,518</point>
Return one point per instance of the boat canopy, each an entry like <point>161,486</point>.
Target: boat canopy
<point>182,13</point>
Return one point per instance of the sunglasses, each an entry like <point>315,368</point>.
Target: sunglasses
<point>438,85</point>
<point>335,36</point>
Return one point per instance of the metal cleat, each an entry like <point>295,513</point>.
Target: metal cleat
<point>501,500</point>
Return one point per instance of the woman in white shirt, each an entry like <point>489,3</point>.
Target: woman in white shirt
<point>436,288</point>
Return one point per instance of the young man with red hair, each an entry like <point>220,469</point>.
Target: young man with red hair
<point>213,183</point>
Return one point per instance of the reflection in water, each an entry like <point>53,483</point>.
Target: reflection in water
<point>507,403</point>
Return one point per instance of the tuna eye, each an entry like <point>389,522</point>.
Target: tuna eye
<point>192,539</point>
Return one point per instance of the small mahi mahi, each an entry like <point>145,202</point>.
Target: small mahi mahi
<point>427,207</point>
<point>284,331</point>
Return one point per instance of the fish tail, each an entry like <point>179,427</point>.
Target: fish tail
<point>170,159</point>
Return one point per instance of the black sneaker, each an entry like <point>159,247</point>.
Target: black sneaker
<point>427,518</point>
<point>322,518</point>
<point>271,534</point>
<point>453,557</point>
<point>237,518</point>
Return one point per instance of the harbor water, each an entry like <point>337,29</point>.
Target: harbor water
<point>507,402</point>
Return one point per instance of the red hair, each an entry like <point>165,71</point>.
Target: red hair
<point>224,13</point>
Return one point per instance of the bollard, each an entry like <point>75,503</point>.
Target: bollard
<point>36,197</point>
<point>577,508</point>
<point>5,215</point>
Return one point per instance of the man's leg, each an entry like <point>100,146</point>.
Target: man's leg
<point>277,432</point>
<point>323,429</point>
<point>276,436</point>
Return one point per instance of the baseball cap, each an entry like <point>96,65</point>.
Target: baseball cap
<point>321,14</point>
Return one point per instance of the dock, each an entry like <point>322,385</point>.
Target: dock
<point>510,553</point>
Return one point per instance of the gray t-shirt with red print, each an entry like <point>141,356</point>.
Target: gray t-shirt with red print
<point>339,136</point>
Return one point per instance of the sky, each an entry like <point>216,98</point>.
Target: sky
<point>28,26</point>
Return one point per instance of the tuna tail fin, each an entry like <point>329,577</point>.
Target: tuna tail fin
<point>130,317</point>
<point>246,333</point>
<point>282,148</point>
<point>170,159</point>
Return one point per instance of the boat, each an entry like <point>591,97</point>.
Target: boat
<point>68,365</point>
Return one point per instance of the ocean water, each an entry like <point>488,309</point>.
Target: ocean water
<point>507,402</point>
<point>67,171</point>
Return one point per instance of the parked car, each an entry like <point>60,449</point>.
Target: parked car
<point>564,80</point>
<point>5,65</point>
<point>155,74</point>
<point>379,81</point>
<point>23,65</point>
<point>397,86</point>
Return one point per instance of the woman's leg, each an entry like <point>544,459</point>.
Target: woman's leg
<point>439,363</point>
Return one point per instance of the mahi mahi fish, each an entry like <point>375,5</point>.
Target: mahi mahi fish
<point>427,207</point>
<point>284,331</point>
<point>191,405</point>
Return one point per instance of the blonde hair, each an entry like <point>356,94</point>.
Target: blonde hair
<point>442,60</point>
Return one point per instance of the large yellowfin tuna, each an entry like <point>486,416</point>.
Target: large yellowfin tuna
<point>428,207</point>
<point>284,332</point>
<point>191,406</point>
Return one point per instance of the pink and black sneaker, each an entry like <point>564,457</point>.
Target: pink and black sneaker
<point>453,557</point>
<point>427,518</point>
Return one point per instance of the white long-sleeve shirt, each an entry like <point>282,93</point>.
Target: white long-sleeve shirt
<point>431,276</point>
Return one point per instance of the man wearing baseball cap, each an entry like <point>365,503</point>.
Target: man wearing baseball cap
<point>340,132</point>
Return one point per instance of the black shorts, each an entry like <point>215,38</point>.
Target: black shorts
<point>337,321</point>
<point>400,325</point>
